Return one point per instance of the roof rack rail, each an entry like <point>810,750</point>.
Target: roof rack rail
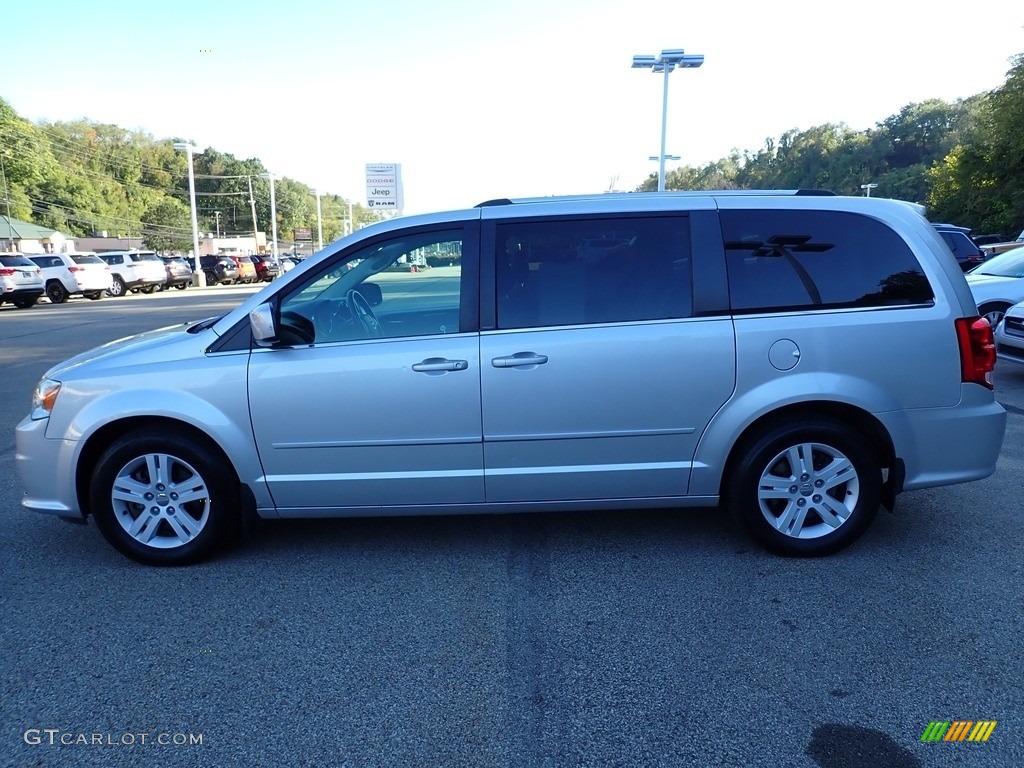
<point>670,193</point>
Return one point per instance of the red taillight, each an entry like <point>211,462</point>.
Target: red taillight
<point>76,269</point>
<point>977,350</point>
<point>6,272</point>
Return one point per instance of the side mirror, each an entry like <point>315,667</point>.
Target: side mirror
<point>261,321</point>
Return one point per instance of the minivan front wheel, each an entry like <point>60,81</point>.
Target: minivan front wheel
<point>163,499</point>
<point>806,488</point>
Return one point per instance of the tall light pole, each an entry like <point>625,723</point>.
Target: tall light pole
<point>273,214</point>
<point>867,189</point>
<point>657,159</point>
<point>319,223</point>
<point>670,59</point>
<point>197,269</point>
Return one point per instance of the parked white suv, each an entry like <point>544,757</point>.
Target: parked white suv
<point>799,359</point>
<point>20,281</point>
<point>134,271</point>
<point>69,274</point>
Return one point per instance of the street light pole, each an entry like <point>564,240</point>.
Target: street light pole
<point>319,223</point>
<point>273,214</point>
<point>661,160</point>
<point>669,60</point>
<point>867,189</point>
<point>197,269</point>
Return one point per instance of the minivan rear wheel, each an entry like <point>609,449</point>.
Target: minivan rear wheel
<point>163,499</point>
<point>806,488</point>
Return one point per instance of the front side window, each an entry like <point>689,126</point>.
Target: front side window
<point>596,270</point>
<point>786,260</point>
<point>406,286</point>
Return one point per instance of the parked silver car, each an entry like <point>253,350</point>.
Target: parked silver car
<point>1009,335</point>
<point>798,358</point>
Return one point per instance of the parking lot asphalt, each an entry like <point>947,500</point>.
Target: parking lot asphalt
<point>590,639</point>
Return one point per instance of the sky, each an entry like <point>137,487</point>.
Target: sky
<point>478,99</point>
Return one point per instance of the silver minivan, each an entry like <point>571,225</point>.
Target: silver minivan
<point>798,359</point>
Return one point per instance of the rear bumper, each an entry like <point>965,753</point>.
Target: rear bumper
<point>946,446</point>
<point>21,293</point>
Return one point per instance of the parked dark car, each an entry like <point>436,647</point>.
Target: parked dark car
<point>179,273</point>
<point>988,239</point>
<point>219,270</point>
<point>968,254</point>
<point>266,267</point>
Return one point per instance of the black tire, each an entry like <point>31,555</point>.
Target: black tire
<point>854,494</point>
<point>118,288</point>
<point>56,292</point>
<point>94,295</point>
<point>212,519</point>
<point>151,288</point>
<point>25,303</point>
<point>181,286</point>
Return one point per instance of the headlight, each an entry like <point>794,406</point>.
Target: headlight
<point>44,398</point>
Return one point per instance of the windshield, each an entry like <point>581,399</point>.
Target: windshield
<point>1008,264</point>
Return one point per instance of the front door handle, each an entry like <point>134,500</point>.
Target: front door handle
<point>519,359</point>
<point>440,365</point>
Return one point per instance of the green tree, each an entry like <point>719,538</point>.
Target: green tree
<point>168,226</point>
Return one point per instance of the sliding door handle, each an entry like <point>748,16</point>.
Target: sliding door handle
<point>519,359</point>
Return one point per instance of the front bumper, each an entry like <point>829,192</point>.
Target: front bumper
<point>47,470</point>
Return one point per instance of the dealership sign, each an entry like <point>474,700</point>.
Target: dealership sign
<point>384,186</point>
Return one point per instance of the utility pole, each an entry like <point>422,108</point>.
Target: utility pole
<point>7,198</point>
<point>217,214</point>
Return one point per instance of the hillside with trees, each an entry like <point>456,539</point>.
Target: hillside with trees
<point>83,177</point>
<point>964,160</point>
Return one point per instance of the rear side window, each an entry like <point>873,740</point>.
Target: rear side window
<point>582,271</point>
<point>86,260</point>
<point>960,244</point>
<point>787,260</point>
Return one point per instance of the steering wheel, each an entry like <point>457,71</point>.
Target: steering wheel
<point>360,309</point>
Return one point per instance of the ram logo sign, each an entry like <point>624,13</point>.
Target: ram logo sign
<point>384,186</point>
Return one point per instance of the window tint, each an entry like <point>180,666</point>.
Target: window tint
<point>572,272</point>
<point>388,289</point>
<point>780,260</point>
<point>86,260</point>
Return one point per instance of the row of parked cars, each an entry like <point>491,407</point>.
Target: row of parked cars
<point>25,278</point>
<point>970,249</point>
